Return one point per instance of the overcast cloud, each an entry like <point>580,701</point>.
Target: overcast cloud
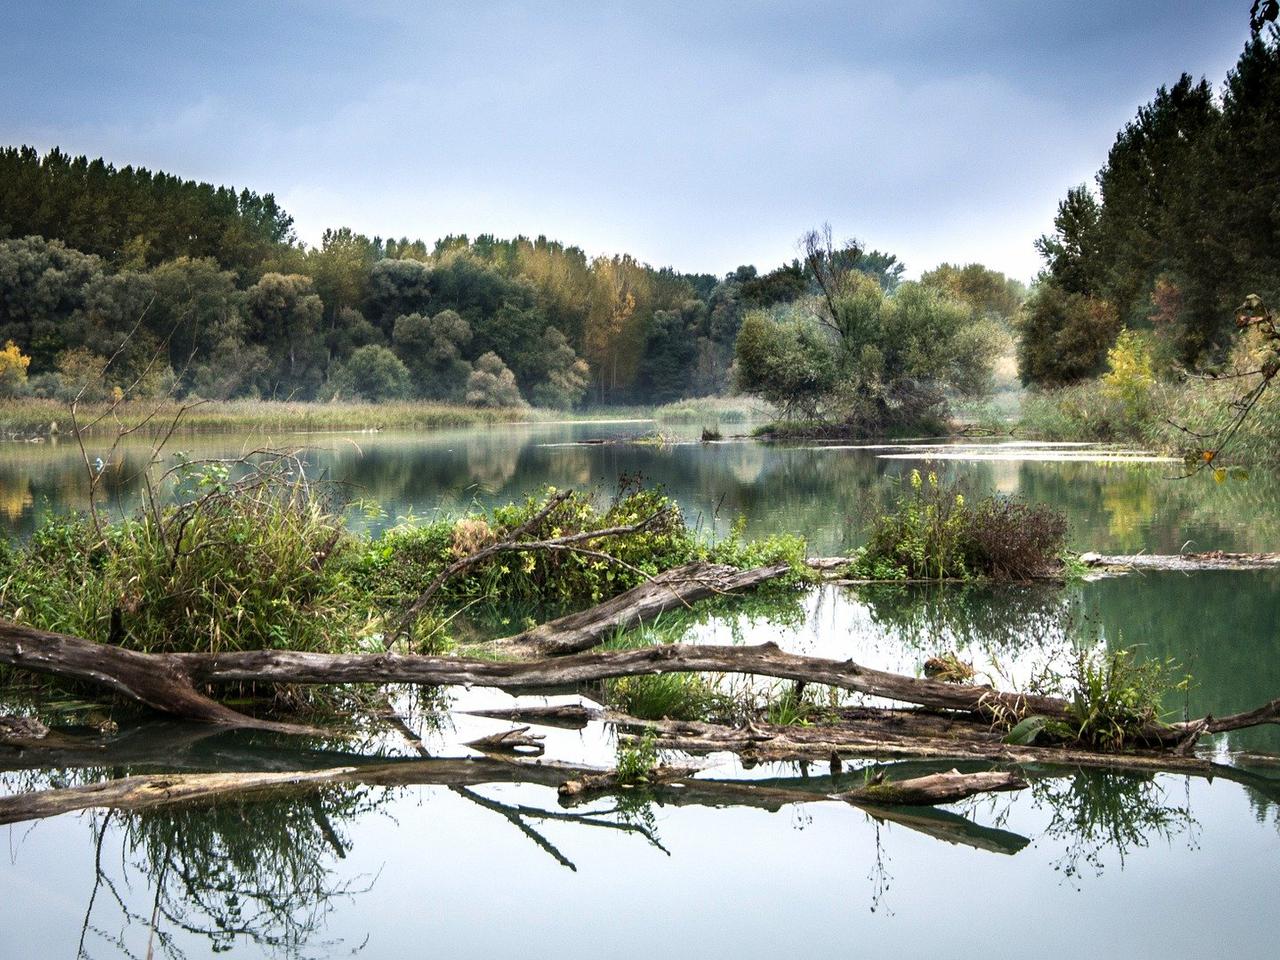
<point>700,135</point>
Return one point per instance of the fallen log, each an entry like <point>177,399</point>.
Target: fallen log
<point>644,603</point>
<point>168,682</point>
<point>157,681</point>
<point>1182,562</point>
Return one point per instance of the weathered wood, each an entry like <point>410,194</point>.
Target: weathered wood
<point>575,716</point>
<point>155,680</point>
<point>608,781</point>
<point>517,740</point>
<point>168,682</point>
<point>933,789</point>
<point>1183,562</point>
<point>673,590</point>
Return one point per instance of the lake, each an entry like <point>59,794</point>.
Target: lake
<point>469,863</point>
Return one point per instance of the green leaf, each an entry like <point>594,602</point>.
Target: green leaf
<point>1025,732</point>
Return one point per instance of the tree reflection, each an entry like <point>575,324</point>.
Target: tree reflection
<point>224,874</point>
<point>1099,814</point>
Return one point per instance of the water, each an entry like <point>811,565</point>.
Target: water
<point>1110,864</point>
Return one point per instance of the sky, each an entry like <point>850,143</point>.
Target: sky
<point>699,135</point>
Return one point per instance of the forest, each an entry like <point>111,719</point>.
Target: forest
<point>204,290</point>
<point>120,281</point>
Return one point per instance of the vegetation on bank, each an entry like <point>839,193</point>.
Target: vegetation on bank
<point>1197,416</point>
<point>30,418</point>
<point>864,355</point>
<point>263,561</point>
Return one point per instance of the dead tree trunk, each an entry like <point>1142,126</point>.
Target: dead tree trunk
<point>170,682</point>
<point>672,590</point>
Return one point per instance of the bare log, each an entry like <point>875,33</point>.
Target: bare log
<point>1183,562</point>
<point>517,740</point>
<point>934,789</point>
<point>155,680</point>
<point>168,682</point>
<point>641,604</point>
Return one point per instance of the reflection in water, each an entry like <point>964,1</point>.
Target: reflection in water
<point>229,874</point>
<point>1096,814</point>
<point>272,874</point>
<point>826,494</point>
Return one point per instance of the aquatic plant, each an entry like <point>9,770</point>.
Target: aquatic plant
<point>935,533</point>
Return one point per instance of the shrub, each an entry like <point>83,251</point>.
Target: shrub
<point>374,373</point>
<point>934,533</point>
<point>13,369</point>
<point>228,570</point>
<point>491,384</point>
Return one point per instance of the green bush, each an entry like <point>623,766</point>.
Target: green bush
<point>250,570</point>
<point>934,533</point>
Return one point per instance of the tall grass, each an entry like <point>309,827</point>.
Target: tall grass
<point>31,417</point>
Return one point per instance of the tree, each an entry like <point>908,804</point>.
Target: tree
<point>373,373</point>
<point>566,375</point>
<point>787,363</point>
<point>432,349</point>
<point>43,286</point>
<point>283,315</point>
<point>13,369</point>
<point>491,384</point>
<point>1071,251</point>
<point>987,292</point>
<point>670,351</point>
<point>1064,336</point>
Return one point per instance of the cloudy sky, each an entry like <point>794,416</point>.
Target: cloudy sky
<point>696,134</point>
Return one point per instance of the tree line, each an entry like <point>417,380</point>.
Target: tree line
<point>115,279</point>
<point>1181,223</point>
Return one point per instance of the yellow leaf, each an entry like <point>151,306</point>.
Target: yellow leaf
<point>1219,474</point>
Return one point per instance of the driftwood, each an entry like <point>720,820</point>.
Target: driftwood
<point>517,740</point>
<point>140,793</point>
<point>641,604</point>
<point>1183,562</point>
<point>169,682</point>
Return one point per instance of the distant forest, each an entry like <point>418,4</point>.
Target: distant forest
<point>130,280</point>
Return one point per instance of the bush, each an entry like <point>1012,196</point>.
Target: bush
<point>225,571</point>
<point>934,533</point>
<point>373,373</point>
<point>491,384</point>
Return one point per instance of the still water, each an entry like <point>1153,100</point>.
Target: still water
<point>474,865</point>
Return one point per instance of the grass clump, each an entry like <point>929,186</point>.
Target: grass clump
<point>232,569</point>
<point>935,533</point>
<point>666,696</point>
<point>636,759</point>
<point>1115,696</point>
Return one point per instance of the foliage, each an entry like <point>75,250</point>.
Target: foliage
<point>13,370</point>
<point>665,696</point>
<point>1130,378</point>
<point>566,375</point>
<point>1063,335</point>
<point>1181,219</point>
<point>373,373</point>
<point>232,568</point>
<point>934,533</point>
<point>636,758</point>
<point>491,384</point>
<point>1115,695</point>
<point>861,357</point>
